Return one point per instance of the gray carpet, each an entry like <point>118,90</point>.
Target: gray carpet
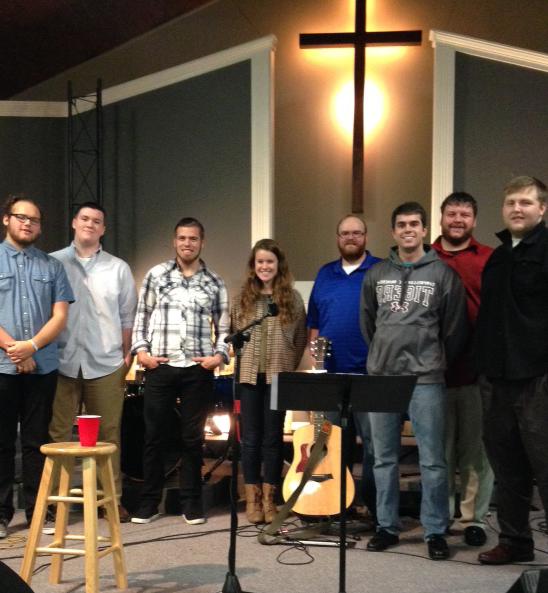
<point>168,556</point>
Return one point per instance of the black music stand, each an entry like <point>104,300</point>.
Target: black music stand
<point>344,393</point>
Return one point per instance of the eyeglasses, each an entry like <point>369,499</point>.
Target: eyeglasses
<point>353,234</point>
<point>23,218</point>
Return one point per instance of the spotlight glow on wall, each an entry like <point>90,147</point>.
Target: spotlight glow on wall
<point>338,57</point>
<point>386,53</point>
<point>343,57</point>
<point>375,108</point>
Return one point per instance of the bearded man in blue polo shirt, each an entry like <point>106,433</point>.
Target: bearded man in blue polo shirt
<point>334,313</point>
<point>34,299</point>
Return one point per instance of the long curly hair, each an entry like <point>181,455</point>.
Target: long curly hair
<point>282,286</point>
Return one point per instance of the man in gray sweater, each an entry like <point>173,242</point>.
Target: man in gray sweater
<point>413,317</point>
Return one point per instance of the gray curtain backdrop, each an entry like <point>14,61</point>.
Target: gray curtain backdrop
<point>501,113</point>
<point>182,150</point>
<point>32,161</point>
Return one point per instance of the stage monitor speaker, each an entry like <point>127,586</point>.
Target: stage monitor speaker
<point>11,582</point>
<point>531,581</point>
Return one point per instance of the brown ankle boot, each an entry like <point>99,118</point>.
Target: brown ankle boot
<point>269,506</point>
<point>254,503</point>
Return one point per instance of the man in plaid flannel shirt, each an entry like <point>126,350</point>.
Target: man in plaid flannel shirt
<point>180,303</point>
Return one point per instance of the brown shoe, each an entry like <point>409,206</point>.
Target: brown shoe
<point>505,554</point>
<point>269,506</point>
<point>124,514</point>
<point>254,503</point>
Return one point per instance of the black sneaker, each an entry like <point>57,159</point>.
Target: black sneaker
<point>474,536</point>
<point>194,512</point>
<point>381,540</point>
<point>437,547</point>
<point>3,528</point>
<point>145,515</point>
<point>48,528</point>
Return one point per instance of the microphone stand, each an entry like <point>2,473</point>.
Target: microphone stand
<point>237,339</point>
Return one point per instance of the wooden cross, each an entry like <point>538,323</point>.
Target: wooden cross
<point>359,40</point>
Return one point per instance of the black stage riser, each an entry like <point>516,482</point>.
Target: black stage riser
<point>531,581</point>
<point>11,582</point>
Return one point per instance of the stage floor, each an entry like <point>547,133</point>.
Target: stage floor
<point>168,556</point>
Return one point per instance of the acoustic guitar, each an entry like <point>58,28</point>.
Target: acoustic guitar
<point>321,495</point>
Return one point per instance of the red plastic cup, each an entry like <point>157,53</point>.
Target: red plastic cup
<point>88,429</point>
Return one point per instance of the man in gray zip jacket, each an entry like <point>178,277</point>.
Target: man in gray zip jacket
<point>413,317</point>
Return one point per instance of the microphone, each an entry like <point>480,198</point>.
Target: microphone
<point>272,311</point>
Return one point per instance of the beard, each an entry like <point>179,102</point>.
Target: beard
<point>352,253</point>
<point>456,241</point>
<point>24,240</point>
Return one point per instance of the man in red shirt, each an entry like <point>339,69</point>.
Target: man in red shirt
<point>464,447</point>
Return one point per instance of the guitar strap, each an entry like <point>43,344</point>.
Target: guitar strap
<point>268,535</point>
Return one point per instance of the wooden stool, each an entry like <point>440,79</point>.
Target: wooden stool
<point>58,468</point>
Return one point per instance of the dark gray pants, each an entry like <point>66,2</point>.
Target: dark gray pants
<point>262,434</point>
<point>191,389</point>
<point>25,399</point>
<point>515,433</point>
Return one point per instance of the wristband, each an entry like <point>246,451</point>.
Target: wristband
<point>34,345</point>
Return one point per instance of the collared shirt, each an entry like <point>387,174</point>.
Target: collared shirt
<point>334,310</point>
<point>106,300</point>
<point>176,315</point>
<point>468,263</point>
<point>31,282</point>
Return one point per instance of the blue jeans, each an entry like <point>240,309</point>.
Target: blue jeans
<point>427,411</point>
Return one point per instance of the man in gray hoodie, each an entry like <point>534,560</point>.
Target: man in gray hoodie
<point>413,317</point>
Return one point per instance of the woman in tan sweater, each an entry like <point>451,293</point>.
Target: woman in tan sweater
<point>276,345</point>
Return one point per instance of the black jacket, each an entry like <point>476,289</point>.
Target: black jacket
<point>512,336</point>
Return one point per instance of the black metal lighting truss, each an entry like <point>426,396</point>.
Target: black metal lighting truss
<point>85,149</point>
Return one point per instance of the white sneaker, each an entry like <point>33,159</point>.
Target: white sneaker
<point>49,523</point>
<point>194,512</point>
<point>145,516</point>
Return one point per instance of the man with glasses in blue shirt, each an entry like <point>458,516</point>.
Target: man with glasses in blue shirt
<point>34,299</point>
<point>334,313</point>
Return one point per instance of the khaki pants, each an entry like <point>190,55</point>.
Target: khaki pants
<point>103,396</point>
<point>464,451</point>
